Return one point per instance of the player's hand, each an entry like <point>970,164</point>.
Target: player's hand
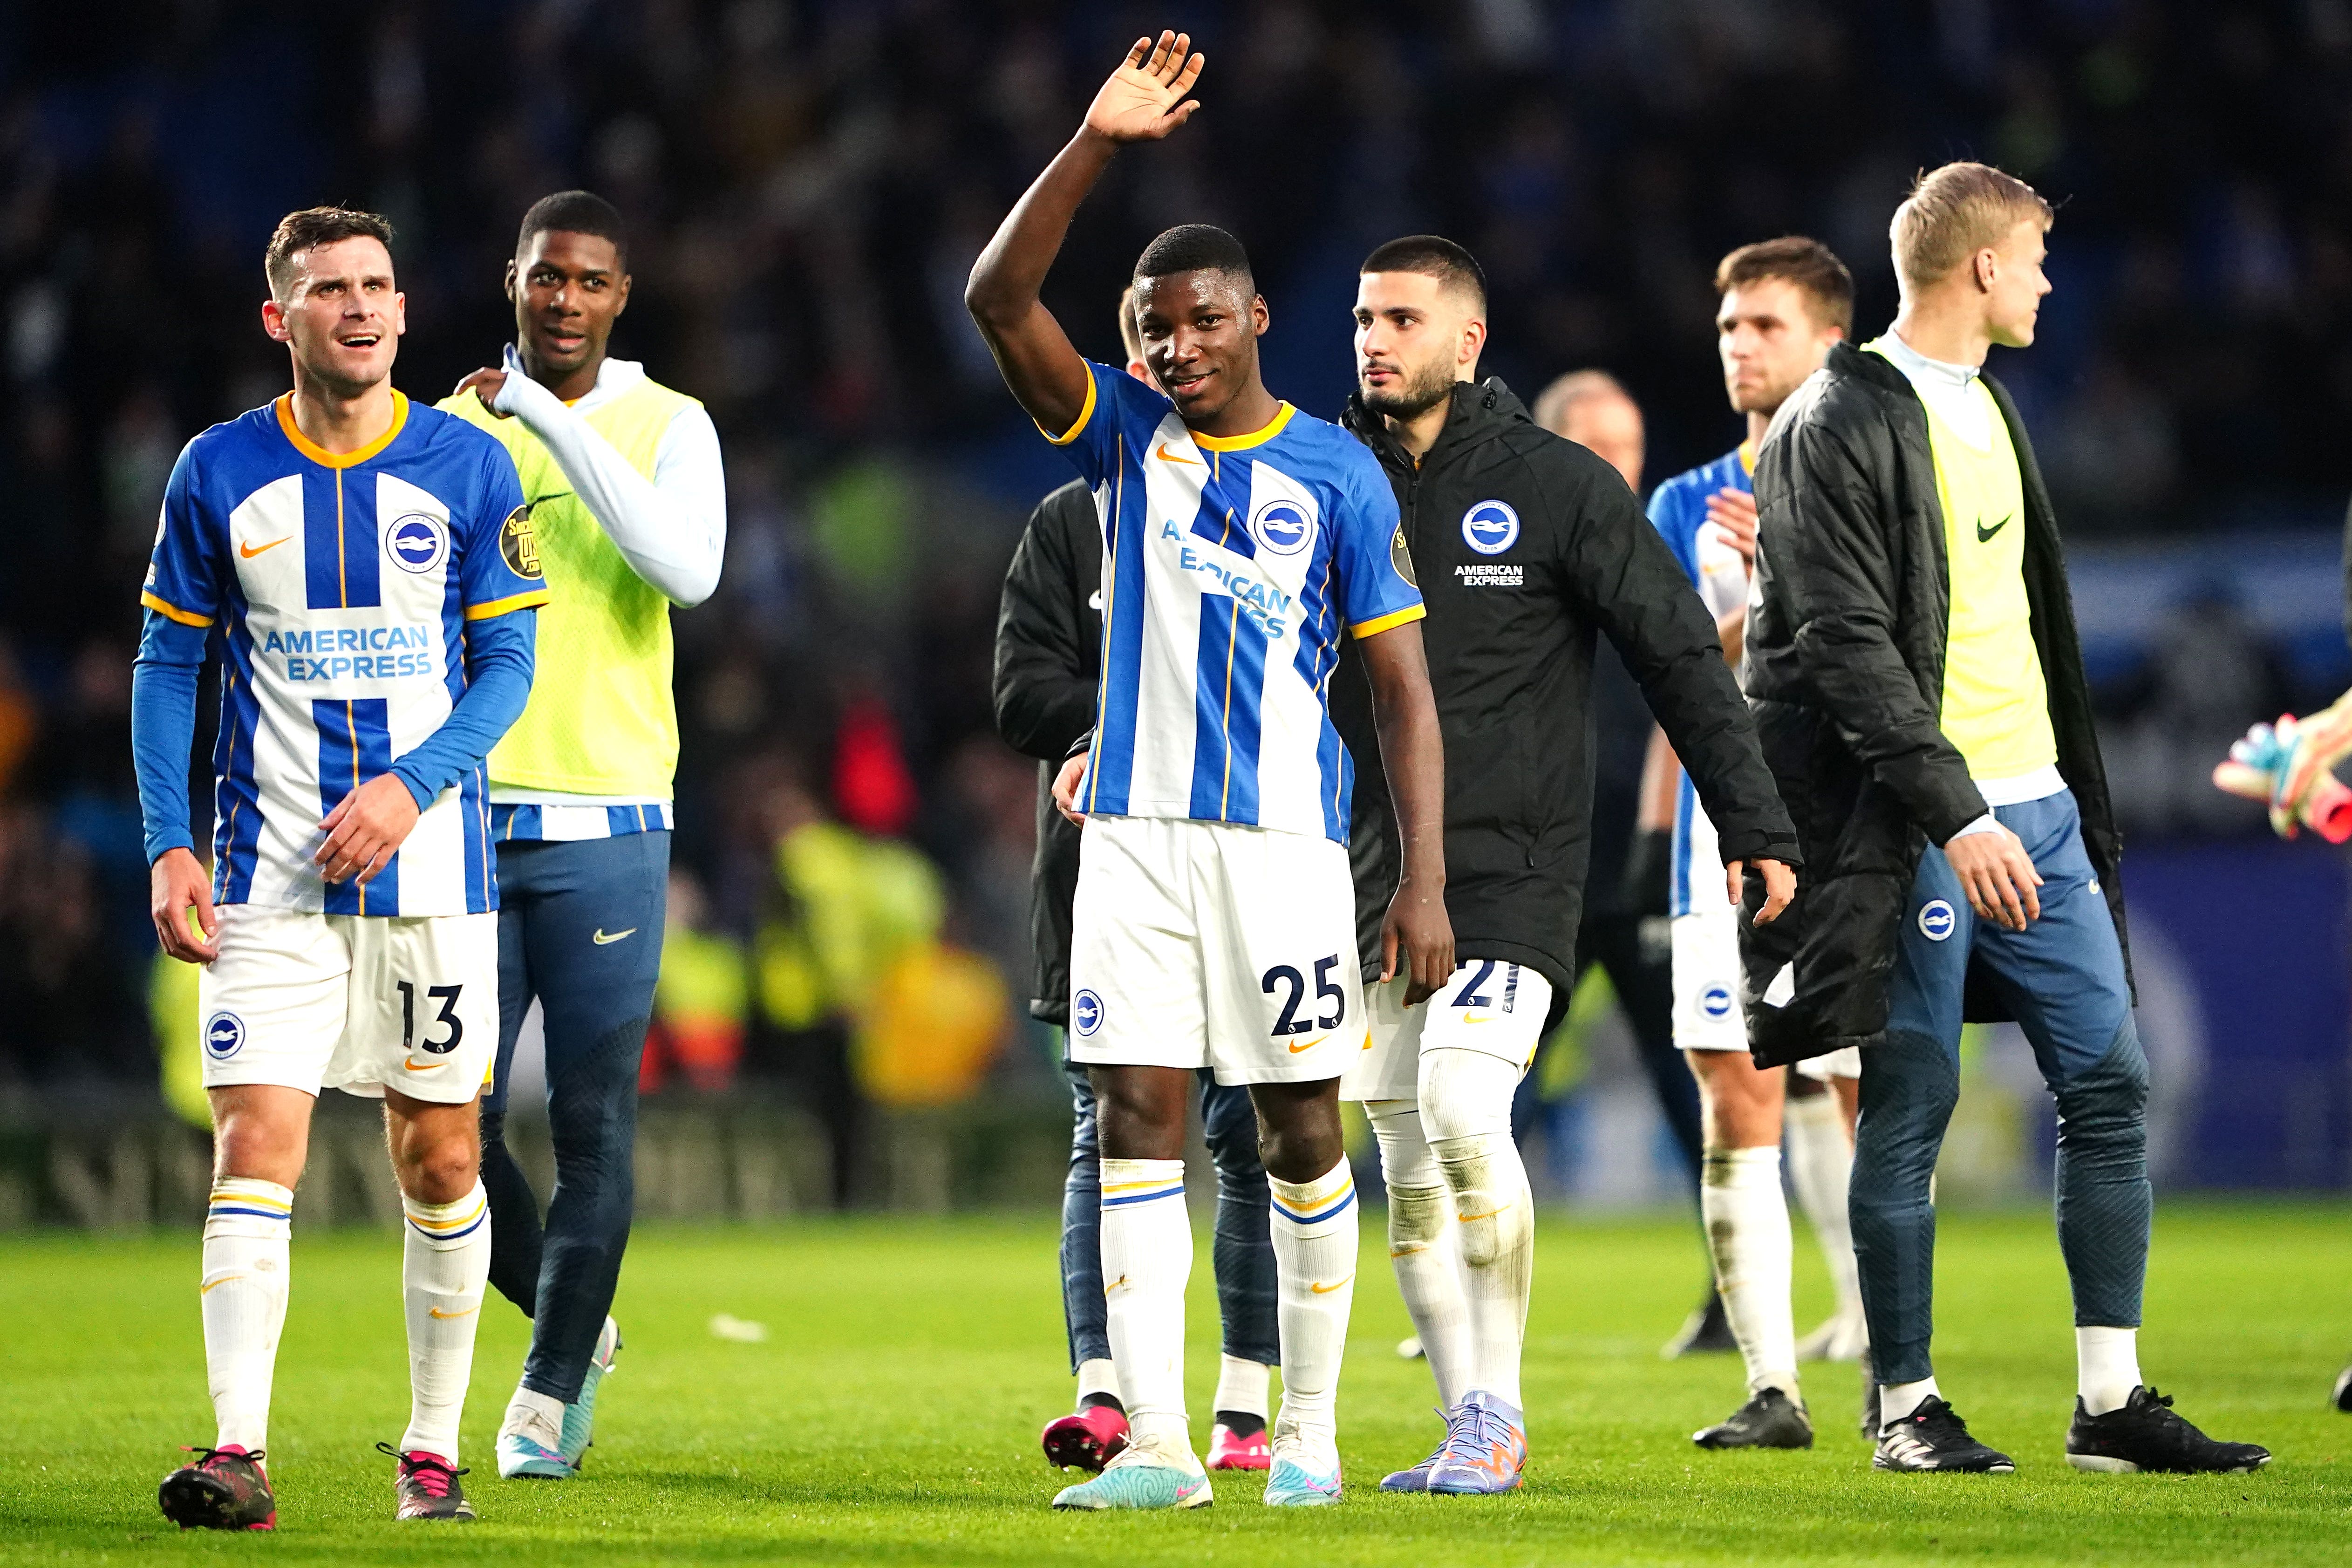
<point>1144,99</point>
<point>2321,741</point>
<point>1417,942</point>
<point>487,384</point>
<point>1067,784</point>
<point>1998,876</point>
<point>1779,886</point>
<point>177,884</point>
<point>365,830</point>
<point>1734,511</point>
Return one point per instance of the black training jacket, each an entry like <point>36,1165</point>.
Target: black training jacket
<point>1525,545</point>
<point>1845,670</point>
<point>1048,666</point>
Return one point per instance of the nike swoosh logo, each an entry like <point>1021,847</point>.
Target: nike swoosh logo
<point>1307,1047</point>
<point>225,1279</point>
<point>420,1066</point>
<point>439,1313</point>
<point>1165,455</point>
<point>251,550</point>
<point>1984,534</point>
<point>1490,1214</point>
<point>600,939</point>
<point>1326,1289</point>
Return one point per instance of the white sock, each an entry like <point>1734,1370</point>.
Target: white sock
<point>1897,1400</point>
<point>1494,1211</point>
<point>1099,1376</point>
<point>1242,1386</point>
<point>2106,1365</point>
<point>1820,1164</point>
<point>1146,1258</point>
<point>1747,1230</point>
<point>1314,1226</point>
<point>445,1261</point>
<point>536,1416</point>
<point>247,1231</point>
<point>1424,1245</point>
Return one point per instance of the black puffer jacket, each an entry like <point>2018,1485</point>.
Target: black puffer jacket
<point>1526,546</point>
<point>1048,667</point>
<point>1845,670</point>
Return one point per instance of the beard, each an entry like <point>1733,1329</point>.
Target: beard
<point>1425,386</point>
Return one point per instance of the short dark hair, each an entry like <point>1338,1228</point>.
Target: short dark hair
<point>308,230</point>
<point>1808,264</point>
<point>1196,248</point>
<point>1432,256</point>
<point>575,212</point>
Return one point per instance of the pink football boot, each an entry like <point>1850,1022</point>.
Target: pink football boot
<point>1088,1441</point>
<point>1227,1452</point>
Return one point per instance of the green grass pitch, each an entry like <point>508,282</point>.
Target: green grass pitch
<point>891,1416</point>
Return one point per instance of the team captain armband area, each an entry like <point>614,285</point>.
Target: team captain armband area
<point>1233,567</point>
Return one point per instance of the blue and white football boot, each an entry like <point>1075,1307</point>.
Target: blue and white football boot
<point>522,1456</point>
<point>1142,1476</point>
<point>580,1415</point>
<point>1301,1478</point>
<point>1416,1477</point>
<point>1486,1448</point>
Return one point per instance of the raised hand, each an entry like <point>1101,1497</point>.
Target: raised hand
<point>1144,99</point>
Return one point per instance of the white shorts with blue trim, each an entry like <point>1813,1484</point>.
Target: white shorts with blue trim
<point>1208,944</point>
<point>359,1003</point>
<point>1706,993</point>
<point>1488,1005</point>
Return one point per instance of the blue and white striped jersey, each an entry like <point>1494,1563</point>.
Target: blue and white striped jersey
<point>1232,566</point>
<point>1719,572</point>
<point>340,587</point>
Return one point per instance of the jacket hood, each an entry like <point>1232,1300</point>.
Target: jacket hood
<point>1481,411</point>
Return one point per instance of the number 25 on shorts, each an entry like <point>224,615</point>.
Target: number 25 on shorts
<point>1287,983</point>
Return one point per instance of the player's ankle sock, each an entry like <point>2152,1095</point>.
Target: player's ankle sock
<point>247,1231</point>
<point>1748,1229</point>
<point>1496,1211</point>
<point>1314,1226</point>
<point>1897,1400</point>
<point>1147,1257</point>
<point>1242,1387</point>
<point>444,1263</point>
<point>2106,1365</point>
<point>1424,1247</point>
<point>1820,1166</point>
<point>1099,1385</point>
<point>536,1416</point>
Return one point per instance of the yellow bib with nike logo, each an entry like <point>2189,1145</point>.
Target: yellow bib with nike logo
<point>1996,708</point>
<point>601,720</point>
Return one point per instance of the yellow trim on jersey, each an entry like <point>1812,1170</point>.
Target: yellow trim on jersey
<point>1389,622</point>
<point>1258,437</point>
<point>529,600</point>
<point>1086,412</point>
<point>174,612</point>
<point>319,455</point>
<point>1748,459</point>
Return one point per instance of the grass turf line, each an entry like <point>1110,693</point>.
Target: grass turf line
<point>892,1415</point>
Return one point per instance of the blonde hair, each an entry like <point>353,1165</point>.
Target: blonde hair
<point>1956,211</point>
<point>1553,402</point>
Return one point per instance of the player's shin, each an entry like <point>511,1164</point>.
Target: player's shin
<point>247,1231</point>
<point>1424,1245</point>
<point>1820,1166</point>
<point>445,1265</point>
<point>1747,1230</point>
<point>1467,1109</point>
<point>1146,1258</point>
<point>1314,1226</point>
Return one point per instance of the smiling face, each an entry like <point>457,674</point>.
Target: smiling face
<point>567,289</point>
<point>1200,333</point>
<point>1769,338</point>
<point>1415,337</point>
<point>2011,276</point>
<point>340,315</point>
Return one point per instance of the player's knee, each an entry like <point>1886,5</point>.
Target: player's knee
<point>2107,1106</point>
<point>1405,1160</point>
<point>1465,1094</point>
<point>1417,1217</point>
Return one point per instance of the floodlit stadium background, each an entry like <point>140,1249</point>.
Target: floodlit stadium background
<point>810,183</point>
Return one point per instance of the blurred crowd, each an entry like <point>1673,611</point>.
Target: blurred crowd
<point>808,183</point>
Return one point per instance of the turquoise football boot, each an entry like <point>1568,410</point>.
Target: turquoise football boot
<point>1140,1478</point>
<point>580,1415</point>
<point>1295,1481</point>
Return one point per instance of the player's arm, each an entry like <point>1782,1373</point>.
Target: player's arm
<point>672,527</point>
<point>1044,698</point>
<point>1142,101</point>
<point>1629,583</point>
<point>180,600</point>
<point>1417,938</point>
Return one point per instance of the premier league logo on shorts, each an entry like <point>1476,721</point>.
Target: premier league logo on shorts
<point>1935,920</point>
<point>224,1036</point>
<point>1282,527</point>
<point>1086,1012</point>
<point>416,543</point>
<point>1491,527</point>
<point>1715,1001</point>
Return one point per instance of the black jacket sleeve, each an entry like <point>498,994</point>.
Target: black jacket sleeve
<point>1623,578</point>
<point>1824,532</point>
<point>1044,684</point>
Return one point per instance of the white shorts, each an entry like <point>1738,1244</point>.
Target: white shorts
<point>1488,1005</point>
<point>358,1002</point>
<point>1208,944</point>
<point>1706,994</point>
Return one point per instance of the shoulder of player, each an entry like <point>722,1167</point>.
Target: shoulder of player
<point>1567,479</point>
<point>1330,453</point>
